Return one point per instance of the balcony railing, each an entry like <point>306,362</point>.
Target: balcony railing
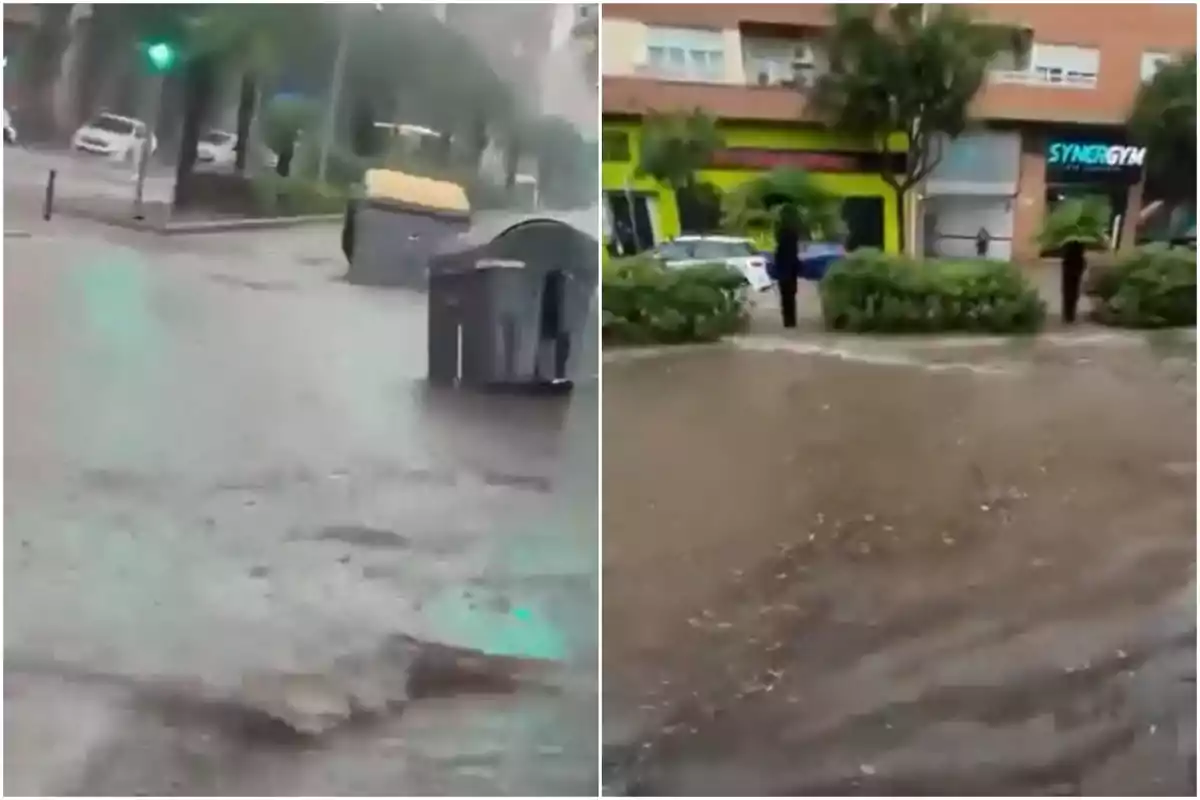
<point>1045,77</point>
<point>664,72</point>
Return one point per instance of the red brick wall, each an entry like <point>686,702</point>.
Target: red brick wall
<point>1031,197</point>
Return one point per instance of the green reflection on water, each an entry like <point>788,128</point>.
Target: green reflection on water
<point>521,631</point>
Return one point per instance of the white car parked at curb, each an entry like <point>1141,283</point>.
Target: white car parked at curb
<point>217,149</point>
<point>113,136</point>
<point>736,252</point>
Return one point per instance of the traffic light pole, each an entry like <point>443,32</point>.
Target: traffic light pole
<point>144,156</point>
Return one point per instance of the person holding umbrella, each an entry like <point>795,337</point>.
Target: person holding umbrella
<point>787,262</point>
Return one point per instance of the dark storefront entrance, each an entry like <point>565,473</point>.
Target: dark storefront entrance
<point>632,228</point>
<point>1079,165</point>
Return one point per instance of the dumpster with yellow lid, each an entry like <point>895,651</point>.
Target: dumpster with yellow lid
<point>391,232</point>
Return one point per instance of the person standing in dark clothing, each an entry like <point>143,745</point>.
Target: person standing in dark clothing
<point>787,263</point>
<point>982,240</point>
<point>1074,263</point>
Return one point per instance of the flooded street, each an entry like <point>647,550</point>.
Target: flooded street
<point>832,567</point>
<point>244,540</point>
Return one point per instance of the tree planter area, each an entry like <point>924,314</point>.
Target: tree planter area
<point>870,292</point>
<point>1152,287</point>
<point>646,303</point>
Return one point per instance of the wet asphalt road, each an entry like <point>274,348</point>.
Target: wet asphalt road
<point>226,481</point>
<point>832,567</point>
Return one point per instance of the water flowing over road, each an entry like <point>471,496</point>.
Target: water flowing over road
<point>837,567</point>
<point>250,553</point>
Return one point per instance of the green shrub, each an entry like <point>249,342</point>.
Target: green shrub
<point>1152,287</point>
<point>869,291</point>
<point>646,303</point>
<point>294,197</point>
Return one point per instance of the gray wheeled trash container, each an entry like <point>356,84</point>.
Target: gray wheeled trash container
<point>509,313</point>
<point>389,242</point>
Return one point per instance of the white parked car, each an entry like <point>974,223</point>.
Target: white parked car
<point>10,132</point>
<point>217,149</point>
<point>119,138</point>
<point>739,253</point>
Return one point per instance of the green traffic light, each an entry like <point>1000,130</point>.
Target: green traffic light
<point>161,56</point>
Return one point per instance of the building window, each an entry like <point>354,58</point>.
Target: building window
<point>779,62</point>
<point>685,54</point>
<point>614,146</point>
<point>1152,63</point>
<point>1055,65</point>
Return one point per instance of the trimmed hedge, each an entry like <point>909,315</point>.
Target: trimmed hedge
<point>1152,287</point>
<point>646,303</point>
<point>870,292</point>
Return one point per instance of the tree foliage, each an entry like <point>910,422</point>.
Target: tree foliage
<point>284,119</point>
<point>566,164</point>
<point>674,147</point>
<point>1163,120</point>
<point>754,207</point>
<point>1084,220</point>
<point>913,70</point>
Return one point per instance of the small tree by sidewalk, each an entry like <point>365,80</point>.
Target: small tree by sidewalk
<point>1163,120</point>
<point>752,209</point>
<point>912,71</point>
<point>674,148</point>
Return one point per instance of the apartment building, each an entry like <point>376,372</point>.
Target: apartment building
<point>1040,120</point>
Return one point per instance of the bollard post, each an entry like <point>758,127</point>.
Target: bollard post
<point>48,203</point>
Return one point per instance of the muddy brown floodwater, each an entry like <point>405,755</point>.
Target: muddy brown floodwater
<point>827,576</point>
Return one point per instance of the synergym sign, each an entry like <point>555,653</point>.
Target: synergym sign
<point>1092,160</point>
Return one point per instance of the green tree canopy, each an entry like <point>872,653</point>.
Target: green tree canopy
<point>1078,219</point>
<point>1163,120</point>
<point>754,208</point>
<point>674,147</point>
<point>912,70</point>
<point>566,164</point>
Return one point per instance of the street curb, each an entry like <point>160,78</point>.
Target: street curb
<point>202,226</point>
<point>263,223</point>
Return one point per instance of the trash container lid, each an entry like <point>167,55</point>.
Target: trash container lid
<point>485,241</point>
<point>487,226</point>
<point>412,190</point>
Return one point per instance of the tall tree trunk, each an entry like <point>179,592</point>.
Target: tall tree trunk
<point>66,82</point>
<point>44,61</point>
<point>901,233</point>
<point>199,86</point>
<point>479,141</point>
<point>512,159</point>
<point>247,99</point>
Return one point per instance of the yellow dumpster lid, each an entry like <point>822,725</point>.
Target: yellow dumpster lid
<point>412,190</point>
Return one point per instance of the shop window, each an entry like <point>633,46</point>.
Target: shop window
<point>632,217</point>
<point>699,208</point>
<point>864,222</point>
<point>614,146</point>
